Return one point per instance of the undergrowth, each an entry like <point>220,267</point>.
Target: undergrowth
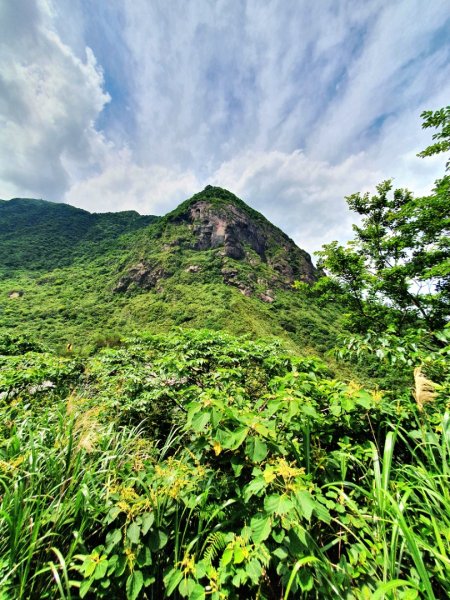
<point>205,466</point>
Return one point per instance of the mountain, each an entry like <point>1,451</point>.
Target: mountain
<point>70,276</point>
<point>217,227</point>
<point>35,234</point>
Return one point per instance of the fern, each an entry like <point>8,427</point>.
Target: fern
<point>215,542</point>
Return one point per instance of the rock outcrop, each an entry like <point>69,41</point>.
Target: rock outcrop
<point>143,275</point>
<point>220,220</point>
<point>255,255</point>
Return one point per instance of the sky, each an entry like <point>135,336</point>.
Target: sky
<point>290,104</point>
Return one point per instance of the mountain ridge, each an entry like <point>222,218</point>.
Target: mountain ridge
<point>51,232</point>
<point>213,262</point>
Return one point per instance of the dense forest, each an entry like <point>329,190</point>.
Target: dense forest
<point>189,408</point>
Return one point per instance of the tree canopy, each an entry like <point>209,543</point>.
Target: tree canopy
<point>395,273</point>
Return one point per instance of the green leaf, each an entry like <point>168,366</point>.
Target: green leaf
<point>261,526</point>
<point>305,503</point>
<point>186,587</point>
<point>238,555</point>
<point>134,533</point>
<point>148,519</point>
<point>89,566</point>
<point>280,553</point>
<point>84,586</point>
<point>144,558</point>
<point>237,438</point>
<point>197,592</point>
<point>134,585</point>
<point>101,568</point>
<point>237,465</point>
<point>200,570</point>
<point>254,487</point>
<point>216,416</point>
<point>120,566</point>
<point>309,411</point>
<point>112,514</point>
<point>256,449</point>
<point>112,539</point>
<point>278,505</point>
<point>157,540</point>
<point>172,579</point>
<point>199,421</point>
<point>254,570</point>
<point>227,556</point>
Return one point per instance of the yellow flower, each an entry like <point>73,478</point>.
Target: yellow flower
<point>377,396</point>
<point>124,506</point>
<point>188,564</point>
<point>269,475</point>
<point>128,493</point>
<point>288,472</point>
<point>11,465</point>
<point>131,557</point>
<point>353,388</point>
<point>217,448</point>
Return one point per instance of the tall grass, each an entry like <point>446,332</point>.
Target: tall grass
<point>51,498</point>
<point>284,484</point>
<point>51,510</point>
<point>404,503</point>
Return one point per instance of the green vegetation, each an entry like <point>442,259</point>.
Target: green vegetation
<point>396,272</point>
<point>143,456</point>
<point>40,235</point>
<point>66,292</point>
<point>200,465</point>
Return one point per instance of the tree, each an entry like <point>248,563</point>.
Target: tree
<point>437,119</point>
<point>395,273</point>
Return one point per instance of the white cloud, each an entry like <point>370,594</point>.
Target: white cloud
<point>50,100</point>
<point>123,185</point>
<point>304,197</point>
<point>397,72</point>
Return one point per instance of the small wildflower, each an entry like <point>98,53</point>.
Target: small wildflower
<point>269,475</point>
<point>188,564</point>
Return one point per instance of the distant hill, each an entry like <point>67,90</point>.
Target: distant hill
<point>36,234</point>
<point>70,276</point>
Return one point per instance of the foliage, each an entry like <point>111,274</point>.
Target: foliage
<point>396,271</point>
<point>11,345</point>
<point>40,235</point>
<point>200,465</point>
<point>67,264</point>
<point>437,119</point>
<point>196,464</point>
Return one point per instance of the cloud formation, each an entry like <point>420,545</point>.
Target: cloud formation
<point>137,105</point>
<point>49,102</point>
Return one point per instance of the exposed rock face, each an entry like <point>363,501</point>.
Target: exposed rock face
<point>256,256</point>
<point>143,275</point>
<point>230,226</point>
<point>225,226</point>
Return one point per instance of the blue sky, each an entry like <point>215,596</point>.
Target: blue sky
<point>138,104</point>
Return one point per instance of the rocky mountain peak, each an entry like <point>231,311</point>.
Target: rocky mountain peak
<point>254,254</point>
